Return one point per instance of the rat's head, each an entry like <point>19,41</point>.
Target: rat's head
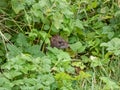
<point>58,42</point>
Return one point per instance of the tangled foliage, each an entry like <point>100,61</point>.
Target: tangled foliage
<point>91,28</point>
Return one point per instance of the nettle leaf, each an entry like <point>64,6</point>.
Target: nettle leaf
<point>77,47</point>
<point>79,24</point>
<point>18,5</point>
<point>12,74</point>
<point>5,83</point>
<point>35,51</point>
<point>67,13</point>
<point>109,83</point>
<point>108,30</point>
<point>29,2</point>
<point>13,51</point>
<point>58,19</point>
<point>113,46</point>
<point>61,55</point>
<point>45,64</point>
<point>47,79</point>
<point>21,40</point>
<point>43,3</point>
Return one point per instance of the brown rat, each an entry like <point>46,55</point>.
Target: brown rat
<point>58,42</point>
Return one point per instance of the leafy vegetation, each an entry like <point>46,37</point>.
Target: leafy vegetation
<point>91,27</point>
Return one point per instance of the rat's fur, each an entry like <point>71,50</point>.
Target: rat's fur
<point>58,42</point>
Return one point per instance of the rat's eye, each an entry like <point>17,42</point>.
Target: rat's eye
<point>61,42</point>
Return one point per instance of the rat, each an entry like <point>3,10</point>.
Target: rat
<point>58,42</point>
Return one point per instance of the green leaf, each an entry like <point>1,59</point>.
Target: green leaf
<point>12,74</point>
<point>13,51</point>
<point>21,40</point>
<point>79,24</point>
<point>82,75</point>
<point>113,46</point>
<point>78,64</point>
<point>46,27</point>
<point>61,55</point>
<point>5,84</point>
<point>8,36</point>
<point>63,76</point>
<point>95,61</point>
<point>108,30</point>
<point>77,47</point>
<point>58,19</point>
<point>109,83</point>
<point>35,51</point>
<point>4,3</point>
<point>2,53</point>
<point>18,5</point>
<point>43,34</point>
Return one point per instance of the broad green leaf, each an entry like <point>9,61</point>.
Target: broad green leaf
<point>35,51</point>
<point>108,30</point>
<point>21,40</point>
<point>29,2</point>
<point>12,74</point>
<point>18,5</point>
<point>61,55</point>
<point>13,51</point>
<point>58,19</point>
<point>109,83</point>
<point>46,27</point>
<point>79,24</point>
<point>47,79</point>
<point>5,83</point>
<point>113,46</point>
<point>77,47</point>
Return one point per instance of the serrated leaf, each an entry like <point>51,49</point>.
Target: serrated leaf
<point>109,83</point>
<point>35,51</point>
<point>113,46</point>
<point>13,51</point>
<point>12,74</point>
<point>108,30</point>
<point>61,55</point>
<point>21,40</point>
<point>77,47</point>
<point>58,19</point>
<point>18,5</point>
<point>79,24</point>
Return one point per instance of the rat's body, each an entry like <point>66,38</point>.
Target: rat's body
<point>58,42</point>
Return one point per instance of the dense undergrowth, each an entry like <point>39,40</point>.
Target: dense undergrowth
<point>91,27</point>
